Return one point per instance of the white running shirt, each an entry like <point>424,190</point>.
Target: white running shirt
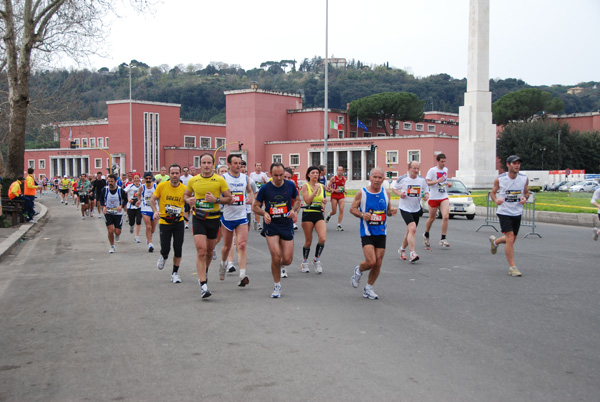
<point>412,188</point>
<point>511,190</point>
<point>438,191</point>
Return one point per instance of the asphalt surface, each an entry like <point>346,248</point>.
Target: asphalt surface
<point>79,323</point>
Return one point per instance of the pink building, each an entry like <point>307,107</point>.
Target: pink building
<point>262,126</point>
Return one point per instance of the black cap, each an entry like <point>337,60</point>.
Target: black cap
<point>513,158</point>
<point>243,163</point>
<point>146,174</point>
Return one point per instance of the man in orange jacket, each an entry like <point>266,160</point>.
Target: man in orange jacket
<point>14,191</point>
<point>30,192</point>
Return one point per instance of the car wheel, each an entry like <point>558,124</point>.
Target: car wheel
<point>451,216</point>
<point>471,217</point>
<point>438,214</point>
<point>581,190</point>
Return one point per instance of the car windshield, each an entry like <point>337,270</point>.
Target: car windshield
<point>457,187</point>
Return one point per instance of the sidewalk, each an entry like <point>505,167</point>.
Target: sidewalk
<point>9,237</point>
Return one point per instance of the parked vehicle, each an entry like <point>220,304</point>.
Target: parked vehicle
<point>565,187</point>
<point>555,186</point>
<point>460,201</point>
<point>586,185</point>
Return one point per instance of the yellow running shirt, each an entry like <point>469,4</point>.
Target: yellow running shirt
<point>170,202</point>
<point>199,186</point>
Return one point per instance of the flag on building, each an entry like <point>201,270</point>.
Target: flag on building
<point>360,124</point>
<point>70,134</point>
<point>335,126</point>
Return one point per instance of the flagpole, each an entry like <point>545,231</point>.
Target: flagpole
<point>326,128</point>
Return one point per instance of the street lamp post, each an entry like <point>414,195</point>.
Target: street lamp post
<point>130,122</point>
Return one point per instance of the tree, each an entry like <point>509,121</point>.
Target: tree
<point>523,105</point>
<point>388,107</point>
<point>46,29</point>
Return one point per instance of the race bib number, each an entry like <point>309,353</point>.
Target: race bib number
<point>238,198</point>
<point>413,191</point>
<point>278,210</point>
<point>377,218</point>
<point>172,210</point>
<point>512,196</point>
<point>259,184</point>
<point>205,205</point>
<point>442,188</point>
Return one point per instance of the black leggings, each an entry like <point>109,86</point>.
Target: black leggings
<point>135,215</point>
<point>175,231</point>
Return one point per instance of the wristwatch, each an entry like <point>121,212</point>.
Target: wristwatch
<point>218,199</point>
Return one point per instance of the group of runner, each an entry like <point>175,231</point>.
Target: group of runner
<point>218,204</point>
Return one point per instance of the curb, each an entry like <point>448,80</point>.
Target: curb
<point>7,245</point>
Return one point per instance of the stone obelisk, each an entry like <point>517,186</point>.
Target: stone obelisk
<point>477,134</point>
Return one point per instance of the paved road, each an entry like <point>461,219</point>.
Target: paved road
<point>80,324</point>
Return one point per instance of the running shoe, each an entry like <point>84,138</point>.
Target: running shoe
<point>160,264</point>
<point>66,203</point>
<point>413,256</point>
<point>369,294</point>
<point>187,226</point>
<point>444,243</point>
<point>304,268</point>
<point>327,219</point>
<point>339,228</point>
<point>276,292</point>
<point>137,239</point>
<point>150,247</point>
<point>514,271</point>
<point>83,217</point>
<point>493,246</point>
<point>131,229</point>
<point>595,230</point>
<point>111,249</point>
<point>254,225</point>
<point>356,277</point>
<point>295,227</point>
<point>402,253</point>
<point>243,281</point>
<point>175,278</point>
<point>99,216</point>
<point>319,267</point>
<point>283,273</point>
<point>259,226</point>
<point>230,267</point>
<point>117,238</point>
<point>222,268</point>
<point>214,255</point>
<point>426,241</point>
<point>205,292</point>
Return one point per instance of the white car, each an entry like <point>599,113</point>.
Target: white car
<point>586,185</point>
<point>461,202</point>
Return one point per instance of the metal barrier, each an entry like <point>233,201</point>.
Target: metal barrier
<point>527,218</point>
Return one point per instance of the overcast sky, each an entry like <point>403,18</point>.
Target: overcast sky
<point>542,42</point>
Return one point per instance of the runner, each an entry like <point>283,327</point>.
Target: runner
<point>323,175</point>
<point>75,192</point>
<point>144,195</point>
<point>185,177</point>
<point>162,176</point>
<point>438,198</point>
<point>314,196</point>
<point>510,193</point>
<point>259,177</point>
<point>205,192</point>
<point>281,200</point>
<point>410,187</point>
<point>372,205</point>
<point>98,186</point>
<point>337,188</point>
<point>169,197</point>
<point>84,186</point>
<point>596,202</point>
<point>64,184</point>
<point>113,200</point>
<point>134,212</point>
<point>234,219</point>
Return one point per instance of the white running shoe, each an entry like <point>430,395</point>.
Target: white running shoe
<point>150,247</point>
<point>175,278</point>
<point>444,243</point>
<point>187,226</point>
<point>319,267</point>
<point>137,239</point>
<point>111,249</point>
<point>205,292</point>
<point>222,268</point>
<point>214,255</point>
<point>426,241</point>
<point>304,268</point>
<point>284,273</point>
<point>369,294</point>
<point>339,228</point>
<point>83,217</point>
<point>356,277</point>
<point>118,238</point>
<point>493,245</point>
<point>160,264</point>
<point>295,227</point>
<point>402,253</point>
<point>595,230</point>
<point>259,226</point>
<point>413,256</point>
<point>276,292</point>
<point>230,267</point>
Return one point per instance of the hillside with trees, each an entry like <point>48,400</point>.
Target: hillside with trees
<point>82,94</point>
